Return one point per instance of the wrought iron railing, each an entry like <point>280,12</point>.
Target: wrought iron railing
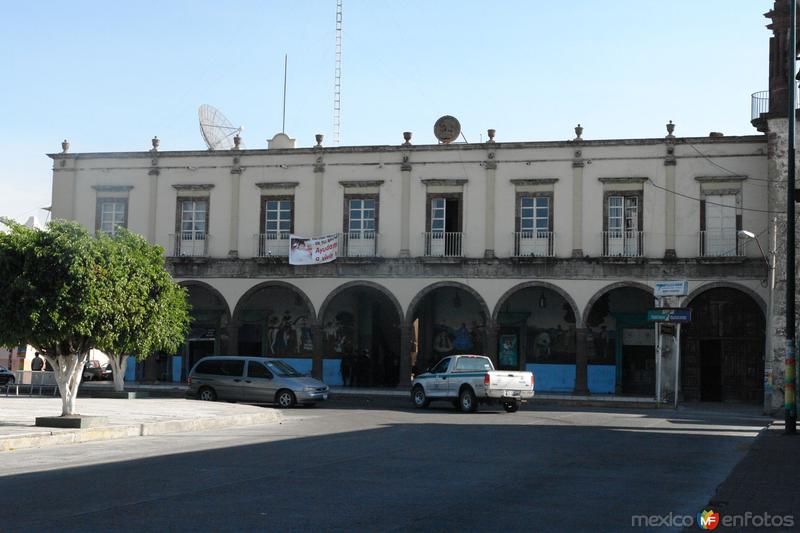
<point>623,243</point>
<point>358,244</point>
<point>533,243</point>
<point>189,244</point>
<point>272,244</point>
<point>443,243</point>
<point>759,103</point>
<point>720,243</point>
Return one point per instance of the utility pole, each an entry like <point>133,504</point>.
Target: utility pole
<point>790,378</point>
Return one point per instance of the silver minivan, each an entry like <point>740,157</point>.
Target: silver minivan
<point>253,379</point>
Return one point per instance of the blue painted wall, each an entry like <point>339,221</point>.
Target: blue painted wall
<point>177,361</point>
<point>561,378</point>
<point>130,370</point>
<point>331,372</point>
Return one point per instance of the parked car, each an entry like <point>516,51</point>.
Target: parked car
<point>6,376</point>
<point>253,379</point>
<point>93,371</point>
<point>467,380</point>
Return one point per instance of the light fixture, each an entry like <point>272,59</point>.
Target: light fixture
<point>744,234</point>
<point>542,301</point>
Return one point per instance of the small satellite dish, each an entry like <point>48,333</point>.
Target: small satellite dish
<point>217,131</point>
<point>447,129</point>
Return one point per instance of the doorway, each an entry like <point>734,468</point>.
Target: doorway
<point>711,370</point>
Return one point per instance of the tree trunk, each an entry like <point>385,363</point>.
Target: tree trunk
<point>68,371</point>
<point>119,363</point>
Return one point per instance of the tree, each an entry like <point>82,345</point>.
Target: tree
<point>53,298</point>
<point>148,311</point>
<point>66,293</point>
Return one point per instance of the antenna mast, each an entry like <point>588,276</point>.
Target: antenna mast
<point>337,84</point>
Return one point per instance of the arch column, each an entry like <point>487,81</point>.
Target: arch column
<point>582,340</point>
<point>316,356</point>
<point>490,350</point>
<point>233,338</point>
<point>405,356</point>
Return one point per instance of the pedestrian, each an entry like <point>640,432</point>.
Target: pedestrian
<point>346,368</point>
<point>37,364</point>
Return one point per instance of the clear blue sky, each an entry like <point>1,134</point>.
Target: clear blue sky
<point>109,75</point>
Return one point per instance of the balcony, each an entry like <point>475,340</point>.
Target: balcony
<point>720,243</point>
<point>189,244</point>
<point>759,103</point>
<point>358,244</point>
<point>533,243</point>
<point>271,244</point>
<point>623,243</point>
<point>443,243</point>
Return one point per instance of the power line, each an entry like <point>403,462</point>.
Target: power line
<point>732,173</point>
<point>651,182</point>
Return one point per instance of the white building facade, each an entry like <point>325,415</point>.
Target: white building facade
<point>542,255</point>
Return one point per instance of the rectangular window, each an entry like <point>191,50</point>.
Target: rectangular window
<point>278,217</point>
<point>193,218</point>
<point>361,218</point>
<point>534,214</point>
<point>720,225</point>
<point>623,213</point>
<point>111,214</point>
<point>623,223</point>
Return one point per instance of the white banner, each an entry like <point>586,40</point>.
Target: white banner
<point>314,251</point>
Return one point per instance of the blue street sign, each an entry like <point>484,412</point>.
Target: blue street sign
<point>670,314</point>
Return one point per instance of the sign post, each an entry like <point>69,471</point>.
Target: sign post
<point>664,314</point>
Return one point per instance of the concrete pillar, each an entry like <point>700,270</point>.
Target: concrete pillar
<point>233,243</point>
<point>319,174</point>
<point>669,209</point>
<point>405,356</point>
<point>490,349</point>
<point>152,215</point>
<point>491,171</point>
<point>233,339</point>
<point>582,340</point>
<point>316,357</point>
<point>577,206</point>
<point>405,210</point>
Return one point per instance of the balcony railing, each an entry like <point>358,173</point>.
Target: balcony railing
<point>623,243</point>
<point>358,244</point>
<point>759,103</point>
<point>533,243</point>
<point>720,243</point>
<point>272,244</point>
<point>443,243</point>
<point>189,244</point>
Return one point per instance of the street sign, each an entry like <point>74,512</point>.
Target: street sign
<point>670,314</point>
<point>671,288</point>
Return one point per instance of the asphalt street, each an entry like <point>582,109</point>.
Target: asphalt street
<point>386,467</point>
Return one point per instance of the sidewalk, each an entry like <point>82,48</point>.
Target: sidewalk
<point>763,483</point>
<point>126,418</point>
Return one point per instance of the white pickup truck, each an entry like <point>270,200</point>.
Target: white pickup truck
<point>467,380</point>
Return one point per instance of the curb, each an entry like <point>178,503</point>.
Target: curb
<point>54,438</point>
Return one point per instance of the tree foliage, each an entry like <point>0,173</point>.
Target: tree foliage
<point>66,292</point>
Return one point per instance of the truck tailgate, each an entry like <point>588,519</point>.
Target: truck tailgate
<point>509,380</point>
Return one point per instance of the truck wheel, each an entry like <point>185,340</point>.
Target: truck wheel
<point>467,403</point>
<point>511,406</point>
<point>419,397</point>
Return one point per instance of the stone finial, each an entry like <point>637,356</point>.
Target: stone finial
<point>407,137</point>
<point>670,129</point>
<point>237,141</point>
<point>578,132</point>
<point>319,138</point>
<point>65,146</point>
<point>490,132</point>
<point>156,143</point>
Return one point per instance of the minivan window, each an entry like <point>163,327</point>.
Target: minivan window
<point>209,367</point>
<point>232,368</point>
<point>258,370</point>
<point>283,369</point>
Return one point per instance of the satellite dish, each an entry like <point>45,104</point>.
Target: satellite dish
<point>217,131</point>
<point>447,129</point>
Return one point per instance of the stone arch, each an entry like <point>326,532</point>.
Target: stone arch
<point>409,316</point>
<point>725,285</point>
<point>354,285</point>
<point>542,284</point>
<point>280,284</point>
<point>205,286</point>
<point>618,285</point>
